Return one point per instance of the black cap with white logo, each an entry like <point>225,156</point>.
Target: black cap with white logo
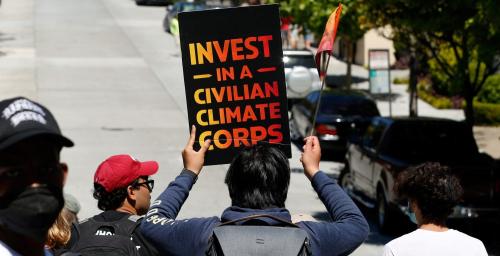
<point>21,118</point>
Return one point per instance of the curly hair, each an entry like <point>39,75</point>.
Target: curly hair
<point>109,200</point>
<point>434,188</point>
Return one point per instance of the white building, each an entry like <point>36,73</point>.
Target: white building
<point>373,39</point>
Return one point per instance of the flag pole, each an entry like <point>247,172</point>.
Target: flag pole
<point>325,47</point>
<point>323,79</point>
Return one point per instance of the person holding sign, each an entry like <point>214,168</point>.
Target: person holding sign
<point>258,180</point>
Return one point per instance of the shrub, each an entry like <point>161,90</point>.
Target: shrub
<point>487,113</point>
<point>425,93</point>
<point>398,80</point>
<point>490,93</point>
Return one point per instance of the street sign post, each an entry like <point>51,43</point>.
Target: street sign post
<point>380,75</point>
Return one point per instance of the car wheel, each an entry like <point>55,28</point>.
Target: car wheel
<point>384,213</point>
<point>345,179</point>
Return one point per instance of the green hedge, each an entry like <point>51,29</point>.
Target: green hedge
<point>487,113</point>
<point>438,102</point>
<point>402,81</point>
<point>490,93</point>
<point>484,113</point>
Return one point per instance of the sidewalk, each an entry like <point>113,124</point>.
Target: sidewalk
<point>487,138</point>
<point>17,51</point>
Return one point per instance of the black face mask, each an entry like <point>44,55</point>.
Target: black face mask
<point>32,212</point>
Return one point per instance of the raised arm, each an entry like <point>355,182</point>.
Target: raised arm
<point>172,199</point>
<point>161,228</point>
<point>349,227</point>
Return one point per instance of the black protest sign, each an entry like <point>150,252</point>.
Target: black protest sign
<point>234,79</point>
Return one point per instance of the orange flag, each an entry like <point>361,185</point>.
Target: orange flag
<point>326,44</point>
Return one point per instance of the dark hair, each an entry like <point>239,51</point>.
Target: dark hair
<point>434,188</point>
<point>109,200</point>
<point>112,200</point>
<point>258,178</point>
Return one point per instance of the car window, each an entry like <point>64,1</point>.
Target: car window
<point>348,106</point>
<point>373,134</point>
<point>418,141</point>
<point>177,7</point>
<point>187,7</point>
<point>309,102</point>
<point>299,60</point>
<point>312,97</point>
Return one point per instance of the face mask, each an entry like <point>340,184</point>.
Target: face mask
<point>411,214</point>
<point>412,217</point>
<point>32,212</point>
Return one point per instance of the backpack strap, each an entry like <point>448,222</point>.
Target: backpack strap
<point>135,218</point>
<point>124,226</point>
<point>127,226</point>
<point>256,216</point>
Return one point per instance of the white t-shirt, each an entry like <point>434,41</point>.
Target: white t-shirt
<point>427,243</point>
<point>5,250</point>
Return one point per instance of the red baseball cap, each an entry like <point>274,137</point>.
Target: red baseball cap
<point>120,171</point>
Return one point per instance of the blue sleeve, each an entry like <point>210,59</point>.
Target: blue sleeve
<point>177,237</point>
<point>347,230</point>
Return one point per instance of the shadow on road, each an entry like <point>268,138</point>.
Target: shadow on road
<point>3,38</point>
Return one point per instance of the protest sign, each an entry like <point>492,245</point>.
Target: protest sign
<point>234,79</point>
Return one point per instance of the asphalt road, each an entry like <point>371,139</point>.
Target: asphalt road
<point>113,79</point>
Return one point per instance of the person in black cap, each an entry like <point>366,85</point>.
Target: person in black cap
<point>31,175</point>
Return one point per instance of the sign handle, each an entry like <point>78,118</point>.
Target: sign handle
<point>323,79</point>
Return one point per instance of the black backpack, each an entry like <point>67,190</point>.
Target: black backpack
<point>107,238</point>
<point>255,237</point>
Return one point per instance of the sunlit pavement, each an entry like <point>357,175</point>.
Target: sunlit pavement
<point>113,79</point>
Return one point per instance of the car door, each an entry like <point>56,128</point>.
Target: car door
<point>302,114</point>
<point>365,160</point>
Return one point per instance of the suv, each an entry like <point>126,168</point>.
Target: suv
<point>388,146</point>
<point>301,75</point>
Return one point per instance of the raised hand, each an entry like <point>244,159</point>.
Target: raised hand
<point>311,156</point>
<point>193,160</point>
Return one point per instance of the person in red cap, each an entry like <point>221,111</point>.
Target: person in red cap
<point>123,191</point>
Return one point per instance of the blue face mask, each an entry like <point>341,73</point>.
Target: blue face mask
<point>411,214</point>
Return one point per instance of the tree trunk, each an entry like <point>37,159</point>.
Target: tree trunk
<point>413,86</point>
<point>348,76</point>
<point>469,105</point>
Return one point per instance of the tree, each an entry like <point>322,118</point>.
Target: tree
<point>351,30</point>
<point>314,15</point>
<point>469,29</point>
